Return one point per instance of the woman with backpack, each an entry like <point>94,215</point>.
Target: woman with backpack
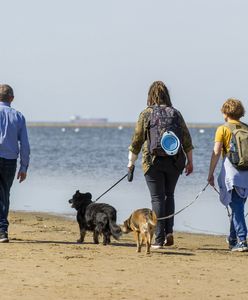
<point>231,140</point>
<point>159,128</point>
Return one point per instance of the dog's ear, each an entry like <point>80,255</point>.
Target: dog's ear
<point>77,192</point>
<point>128,223</point>
<point>88,196</point>
<point>125,227</point>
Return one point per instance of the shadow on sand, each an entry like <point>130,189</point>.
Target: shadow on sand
<point>128,244</point>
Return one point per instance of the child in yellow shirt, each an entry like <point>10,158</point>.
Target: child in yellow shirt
<point>232,111</point>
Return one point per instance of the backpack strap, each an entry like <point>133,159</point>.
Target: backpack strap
<point>231,126</point>
<point>244,124</point>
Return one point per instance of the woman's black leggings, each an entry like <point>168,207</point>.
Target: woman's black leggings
<point>161,180</point>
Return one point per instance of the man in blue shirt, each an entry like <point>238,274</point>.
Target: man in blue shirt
<point>13,140</point>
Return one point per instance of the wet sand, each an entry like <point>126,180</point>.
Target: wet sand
<point>43,261</point>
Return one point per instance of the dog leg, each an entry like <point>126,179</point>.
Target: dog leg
<point>82,235</point>
<point>137,238</point>
<point>95,237</point>
<point>106,238</point>
<point>148,243</point>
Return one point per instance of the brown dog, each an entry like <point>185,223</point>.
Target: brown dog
<point>142,222</point>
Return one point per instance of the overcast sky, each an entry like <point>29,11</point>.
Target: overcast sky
<point>97,58</point>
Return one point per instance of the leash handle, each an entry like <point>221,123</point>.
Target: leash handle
<point>130,173</point>
<point>110,188</point>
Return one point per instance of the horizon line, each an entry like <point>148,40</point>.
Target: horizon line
<point>108,124</point>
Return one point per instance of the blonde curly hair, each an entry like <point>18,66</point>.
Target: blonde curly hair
<point>158,94</point>
<point>233,108</point>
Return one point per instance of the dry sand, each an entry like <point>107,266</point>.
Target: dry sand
<point>43,261</point>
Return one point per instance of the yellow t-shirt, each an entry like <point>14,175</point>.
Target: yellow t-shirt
<point>223,134</point>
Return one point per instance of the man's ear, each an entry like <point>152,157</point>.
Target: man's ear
<point>11,98</point>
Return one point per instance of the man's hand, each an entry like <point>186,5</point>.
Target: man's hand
<point>21,176</point>
<point>188,168</point>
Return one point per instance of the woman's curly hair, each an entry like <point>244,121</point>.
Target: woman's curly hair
<point>158,94</point>
<point>233,108</point>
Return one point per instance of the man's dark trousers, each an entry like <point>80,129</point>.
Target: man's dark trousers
<point>7,175</point>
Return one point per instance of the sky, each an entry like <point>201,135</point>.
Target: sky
<point>98,58</point>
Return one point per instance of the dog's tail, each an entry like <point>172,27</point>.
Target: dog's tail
<point>115,229</point>
<point>151,221</point>
<point>102,222</point>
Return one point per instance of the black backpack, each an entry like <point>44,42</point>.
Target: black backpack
<point>162,119</point>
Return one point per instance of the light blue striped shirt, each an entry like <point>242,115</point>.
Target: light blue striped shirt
<point>13,136</point>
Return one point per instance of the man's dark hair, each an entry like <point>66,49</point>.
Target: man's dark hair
<point>6,92</point>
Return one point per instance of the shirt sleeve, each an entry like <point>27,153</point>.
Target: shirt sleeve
<point>139,135</point>
<point>223,135</point>
<point>186,137</point>
<point>24,147</point>
<point>219,134</point>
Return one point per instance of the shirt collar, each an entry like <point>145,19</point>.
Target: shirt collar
<point>234,121</point>
<point>4,103</point>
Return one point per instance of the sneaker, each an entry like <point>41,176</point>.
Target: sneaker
<point>157,246</point>
<point>169,240</point>
<point>231,242</point>
<point>240,247</point>
<point>4,237</point>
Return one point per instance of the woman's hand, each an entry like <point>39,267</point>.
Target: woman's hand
<point>130,164</point>
<point>189,165</point>
<point>189,168</point>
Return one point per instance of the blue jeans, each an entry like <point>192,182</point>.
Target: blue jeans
<point>161,180</point>
<point>238,229</point>
<point>7,175</point>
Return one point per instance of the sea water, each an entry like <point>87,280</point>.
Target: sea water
<point>64,160</point>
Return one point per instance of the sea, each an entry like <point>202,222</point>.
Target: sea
<point>64,160</point>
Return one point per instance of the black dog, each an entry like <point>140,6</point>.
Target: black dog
<point>97,217</point>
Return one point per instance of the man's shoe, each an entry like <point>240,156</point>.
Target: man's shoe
<point>4,237</point>
<point>240,247</point>
<point>169,240</point>
<point>157,246</point>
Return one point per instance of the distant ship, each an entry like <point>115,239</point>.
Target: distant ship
<point>76,119</point>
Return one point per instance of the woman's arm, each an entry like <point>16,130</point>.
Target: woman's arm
<point>214,160</point>
<point>187,146</point>
<point>138,140</point>
<point>186,139</point>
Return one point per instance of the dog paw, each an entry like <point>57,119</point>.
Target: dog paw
<point>80,241</point>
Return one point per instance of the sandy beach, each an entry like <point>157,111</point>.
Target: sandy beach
<point>43,261</point>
